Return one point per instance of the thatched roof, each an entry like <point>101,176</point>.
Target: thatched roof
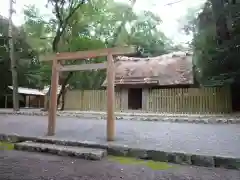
<point>169,69</point>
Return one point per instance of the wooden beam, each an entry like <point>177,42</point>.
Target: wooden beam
<point>135,82</point>
<point>110,98</point>
<point>83,67</point>
<point>88,54</point>
<point>53,100</point>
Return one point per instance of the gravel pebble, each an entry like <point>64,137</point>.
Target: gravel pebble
<point>33,166</point>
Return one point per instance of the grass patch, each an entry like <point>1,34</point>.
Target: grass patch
<point>154,165</point>
<point>6,146</point>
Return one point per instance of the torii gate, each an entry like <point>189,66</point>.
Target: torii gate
<point>57,67</point>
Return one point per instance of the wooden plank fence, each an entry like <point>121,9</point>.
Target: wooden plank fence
<point>173,100</point>
<point>95,100</point>
<point>190,100</point>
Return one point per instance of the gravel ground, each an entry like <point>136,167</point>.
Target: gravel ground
<point>16,165</point>
<point>205,139</point>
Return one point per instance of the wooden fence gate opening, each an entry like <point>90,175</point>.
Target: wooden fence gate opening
<point>57,67</point>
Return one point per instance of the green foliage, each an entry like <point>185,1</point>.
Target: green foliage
<point>27,65</point>
<point>87,79</point>
<point>216,31</point>
<point>37,30</point>
<point>6,146</point>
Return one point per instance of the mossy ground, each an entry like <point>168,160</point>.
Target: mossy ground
<point>6,146</point>
<point>154,165</point>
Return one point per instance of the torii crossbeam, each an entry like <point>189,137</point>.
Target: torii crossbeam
<point>56,68</point>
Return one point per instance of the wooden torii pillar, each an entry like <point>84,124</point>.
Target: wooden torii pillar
<point>56,68</point>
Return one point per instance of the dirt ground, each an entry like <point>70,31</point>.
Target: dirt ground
<point>16,165</point>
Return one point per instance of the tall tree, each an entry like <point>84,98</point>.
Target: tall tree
<point>220,18</point>
<point>13,59</point>
<point>27,64</point>
<point>215,43</point>
<point>63,11</point>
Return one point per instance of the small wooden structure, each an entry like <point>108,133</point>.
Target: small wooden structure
<point>28,97</point>
<point>57,67</point>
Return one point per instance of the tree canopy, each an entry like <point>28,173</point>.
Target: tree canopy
<point>216,38</point>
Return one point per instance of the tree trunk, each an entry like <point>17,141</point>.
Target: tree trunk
<point>61,28</point>
<point>63,90</point>
<point>221,21</point>
<point>63,100</point>
<point>13,61</point>
<point>55,50</point>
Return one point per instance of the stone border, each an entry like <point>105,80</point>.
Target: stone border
<point>172,157</point>
<point>83,153</point>
<point>208,119</point>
